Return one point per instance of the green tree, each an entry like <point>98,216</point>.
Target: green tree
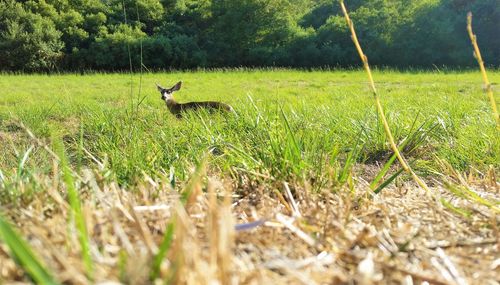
<point>28,42</point>
<point>111,51</point>
<point>148,14</point>
<point>240,26</point>
<point>435,34</point>
<point>97,34</point>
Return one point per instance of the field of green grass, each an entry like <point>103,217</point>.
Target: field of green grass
<point>102,152</point>
<point>290,124</point>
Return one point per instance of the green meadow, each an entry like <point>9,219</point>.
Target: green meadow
<point>99,182</point>
<point>290,125</point>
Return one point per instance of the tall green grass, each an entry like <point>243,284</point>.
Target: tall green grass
<point>290,124</point>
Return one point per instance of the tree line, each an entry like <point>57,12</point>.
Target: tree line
<point>113,35</point>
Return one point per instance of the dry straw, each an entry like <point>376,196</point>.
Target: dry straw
<point>479,58</point>
<point>380,110</point>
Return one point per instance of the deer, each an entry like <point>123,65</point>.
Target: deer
<point>178,108</point>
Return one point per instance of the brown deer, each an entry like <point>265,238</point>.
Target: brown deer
<point>177,108</point>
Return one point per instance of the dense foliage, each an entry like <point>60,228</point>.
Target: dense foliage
<point>42,35</point>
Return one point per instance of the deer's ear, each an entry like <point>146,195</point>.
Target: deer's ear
<point>159,87</point>
<point>177,86</point>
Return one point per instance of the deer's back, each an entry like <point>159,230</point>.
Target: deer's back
<point>210,105</point>
<point>178,108</point>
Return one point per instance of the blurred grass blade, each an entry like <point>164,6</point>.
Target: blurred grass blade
<point>457,210</point>
<point>386,168</point>
<point>466,193</point>
<point>290,132</point>
<point>416,139</point>
<point>388,180</point>
<point>22,163</point>
<point>23,254</point>
<point>352,157</point>
<point>74,201</point>
<point>80,147</point>
<point>194,185</point>
<point>164,247</point>
<point>383,172</point>
<point>171,177</point>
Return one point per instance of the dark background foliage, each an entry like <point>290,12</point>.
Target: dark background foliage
<point>72,35</point>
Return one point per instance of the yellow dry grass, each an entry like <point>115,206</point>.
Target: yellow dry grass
<point>229,235</point>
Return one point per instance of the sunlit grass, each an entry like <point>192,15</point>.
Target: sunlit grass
<point>290,123</point>
<point>315,131</point>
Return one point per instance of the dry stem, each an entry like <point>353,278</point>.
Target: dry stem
<point>380,110</point>
<point>479,58</point>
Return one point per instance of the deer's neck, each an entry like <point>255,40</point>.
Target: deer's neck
<point>171,102</point>
<point>172,105</point>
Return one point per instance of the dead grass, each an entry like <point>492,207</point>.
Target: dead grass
<point>398,236</point>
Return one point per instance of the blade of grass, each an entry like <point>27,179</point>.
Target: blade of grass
<point>2,178</point>
<point>349,163</point>
<point>418,140</point>
<point>466,193</point>
<point>74,201</point>
<point>80,147</point>
<point>290,133</point>
<point>457,210</point>
<point>383,172</point>
<point>171,177</point>
<point>20,167</point>
<point>388,181</point>
<point>293,148</point>
<point>24,255</point>
<point>163,250</point>
<point>386,168</point>
<point>193,188</point>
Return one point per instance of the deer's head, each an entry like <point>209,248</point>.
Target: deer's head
<point>167,93</point>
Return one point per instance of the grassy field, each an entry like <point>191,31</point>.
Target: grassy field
<point>316,133</point>
<point>290,123</point>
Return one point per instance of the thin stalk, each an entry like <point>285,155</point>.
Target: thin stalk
<point>142,63</point>
<point>380,110</point>
<point>479,58</point>
<point>130,63</point>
